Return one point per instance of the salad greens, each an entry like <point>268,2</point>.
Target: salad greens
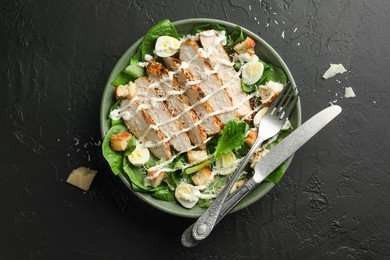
<point>231,139</point>
<point>113,158</point>
<point>209,26</point>
<point>112,122</point>
<point>163,28</point>
<point>270,73</point>
<point>134,70</point>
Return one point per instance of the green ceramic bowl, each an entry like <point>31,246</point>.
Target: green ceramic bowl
<point>263,50</point>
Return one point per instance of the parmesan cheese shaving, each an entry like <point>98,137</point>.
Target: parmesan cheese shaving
<point>333,70</point>
<point>81,177</point>
<point>349,92</point>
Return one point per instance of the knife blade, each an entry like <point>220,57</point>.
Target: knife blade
<point>271,161</point>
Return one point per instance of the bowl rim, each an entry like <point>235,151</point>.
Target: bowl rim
<point>265,187</point>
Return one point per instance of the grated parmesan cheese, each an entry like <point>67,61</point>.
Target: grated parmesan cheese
<point>81,178</point>
<point>349,92</point>
<point>333,70</point>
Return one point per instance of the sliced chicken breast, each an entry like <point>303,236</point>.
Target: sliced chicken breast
<point>221,62</point>
<point>168,88</point>
<point>210,124</point>
<point>210,83</point>
<point>160,114</point>
<point>139,123</point>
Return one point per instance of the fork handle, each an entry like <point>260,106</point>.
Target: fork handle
<point>206,222</point>
<point>187,238</point>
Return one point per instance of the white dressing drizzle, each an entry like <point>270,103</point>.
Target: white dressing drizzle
<point>124,112</point>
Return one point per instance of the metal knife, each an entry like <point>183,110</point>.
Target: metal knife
<point>271,161</point>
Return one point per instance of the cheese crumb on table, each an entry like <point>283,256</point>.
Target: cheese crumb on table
<point>81,177</point>
<point>349,92</point>
<point>333,70</point>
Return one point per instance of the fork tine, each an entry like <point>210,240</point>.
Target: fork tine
<point>291,106</point>
<point>285,99</point>
<point>276,101</point>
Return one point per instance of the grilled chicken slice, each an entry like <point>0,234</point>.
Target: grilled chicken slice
<point>169,89</point>
<point>160,114</point>
<point>220,60</point>
<point>210,83</point>
<point>139,123</point>
<point>210,124</point>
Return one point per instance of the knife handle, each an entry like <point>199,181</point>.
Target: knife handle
<point>206,222</point>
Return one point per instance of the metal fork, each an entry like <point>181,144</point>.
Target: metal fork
<point>272,122</point>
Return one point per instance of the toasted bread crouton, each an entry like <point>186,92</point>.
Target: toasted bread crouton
<point>246,46</point>
<point>155,178</point>
<point>251,137</point>
<point>270,99</point>
<point>196,156</point>
<point>126,91</point>
<point>120,141</point>
<point>202,177</point>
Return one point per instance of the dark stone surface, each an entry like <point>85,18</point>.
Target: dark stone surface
<point>55,56</point>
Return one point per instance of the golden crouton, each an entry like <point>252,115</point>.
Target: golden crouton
<point>202,177</point>
<point>155,178</point>
<point>126,91</point>
<point>251,137</point>
<point>120,141</point>
<point>246,46</point>
<point>196,156</point>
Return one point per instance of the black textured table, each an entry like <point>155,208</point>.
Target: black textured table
<point>55,57</point>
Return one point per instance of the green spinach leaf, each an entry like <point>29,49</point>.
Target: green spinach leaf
<point>122,79</point>
<point>131,146</point>
<point>176,177</point>
<point>134,71</point>
<point>237,36</point>
<point>162,28</point>
<point>202,203</point>
<point>276,74</point>
<point>164,194</point>
<point>113,158</point>
<point>209,26</point>
<point>112,122</point>
<point>135,176</point>
<point>246,88</point>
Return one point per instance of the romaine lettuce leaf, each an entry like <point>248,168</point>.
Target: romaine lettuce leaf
<point>232,137</point>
